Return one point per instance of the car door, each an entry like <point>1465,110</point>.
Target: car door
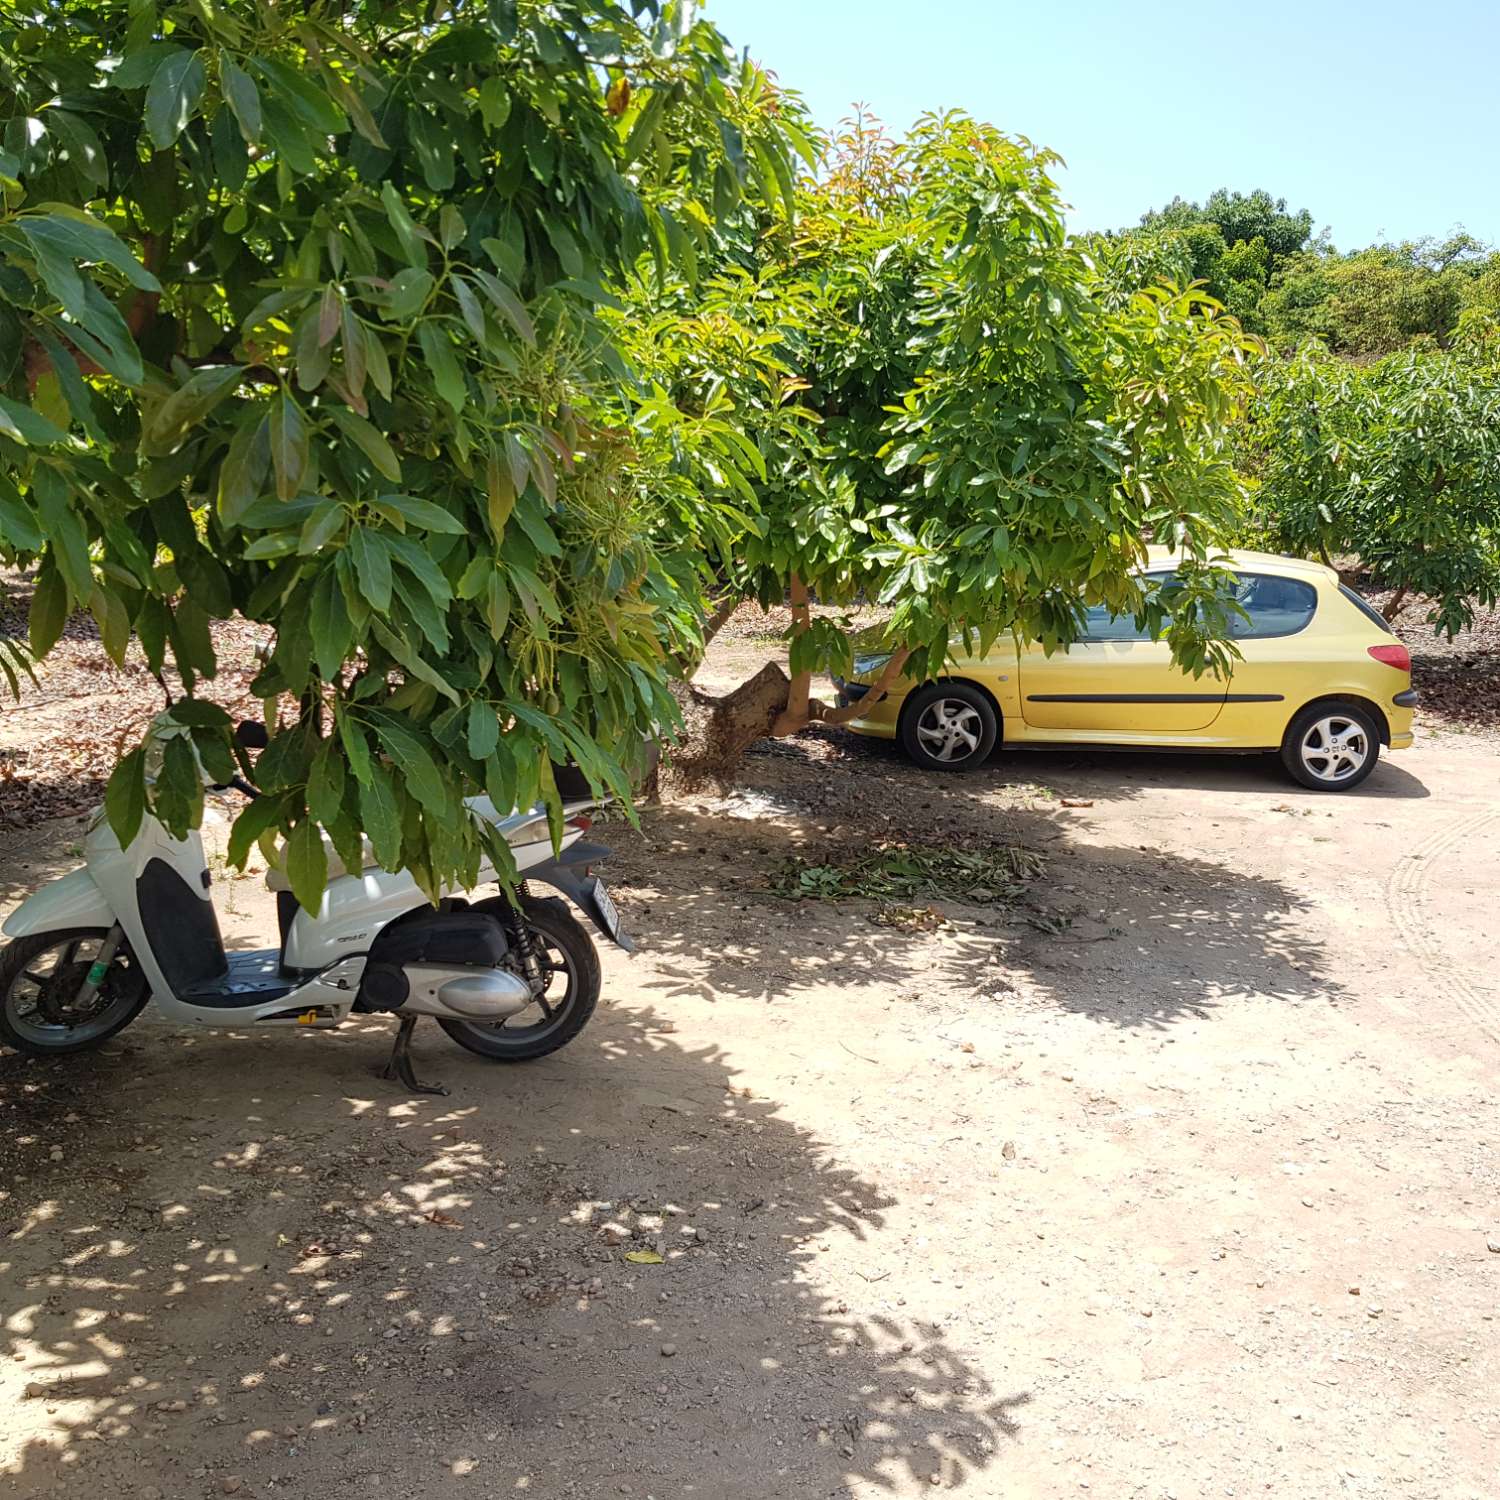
<point>1281,662</point>
<point>1115,680</point>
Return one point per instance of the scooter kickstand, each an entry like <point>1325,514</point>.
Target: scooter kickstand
<point>399,1065</point>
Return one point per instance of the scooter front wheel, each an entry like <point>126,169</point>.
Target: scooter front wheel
<point>571,981</point>
<point>40,977</point>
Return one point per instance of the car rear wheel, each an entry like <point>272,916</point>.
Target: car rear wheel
<point>949,726</point>
<point>1331,747</point>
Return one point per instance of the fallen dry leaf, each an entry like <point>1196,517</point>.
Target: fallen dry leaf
<point>447,1221</point>
<point>1077,801</point>
<point>643,1257</point>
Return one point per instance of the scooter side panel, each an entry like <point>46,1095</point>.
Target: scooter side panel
<point>72,900</point>
<point>355,907</point>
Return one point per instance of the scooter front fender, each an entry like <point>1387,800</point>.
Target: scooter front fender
<point>72,900</point>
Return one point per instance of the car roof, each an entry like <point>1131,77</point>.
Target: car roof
<point>1266,562</point>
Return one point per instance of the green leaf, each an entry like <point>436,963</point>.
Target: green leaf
<point>139,65</point>
<point>369,440</point>
<point>26,426</point>
<point>69,232</point>
<point>307,864</point>
<point>125,796</point>
<point>447,376</point>
<point>372,561</point>
<point>468,305</point>
<point>433,143</point>
<point>302,97</point>
<point>409,752</point>
<point>242,97</point>
<point>258,817</point>
<point>321,527</point>
<point>187,406</point>
<point>289,441</point>
<point>424,515</point>
<point>65,531</point>
<point>49,610</point>
<point>332,629</point>
<point>199,713</point>
<point>380,811</point>
<point>325,783</point>
<point>509,306</point>
<point>483,730</point>
<point>496,604</point>
<point>172,97</point>
<point>407,294</point>
<point>114,623</point>
<point>407,233</point>
<point>177,797</point>
<point>356,746</point>
<point>18,526</point>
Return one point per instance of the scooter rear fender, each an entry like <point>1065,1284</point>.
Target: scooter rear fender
<point>72,900</point>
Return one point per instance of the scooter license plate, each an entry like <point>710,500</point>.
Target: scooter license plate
<point>609,917</point>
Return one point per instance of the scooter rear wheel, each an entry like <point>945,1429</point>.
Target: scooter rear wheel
<point>572,980</point>
<point>39,978</point>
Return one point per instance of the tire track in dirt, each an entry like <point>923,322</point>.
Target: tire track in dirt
<point>1405,891</point>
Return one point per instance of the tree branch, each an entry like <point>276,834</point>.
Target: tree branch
<point>796,715</point>
<point>878,690</point>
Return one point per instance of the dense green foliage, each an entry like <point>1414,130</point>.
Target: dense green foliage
<point>1261,261</point>
<point>299,317</point>
<point>1376,301</point>
<point>958,414</point>
<point>470,348</point>
<point>1396,462</point>
<point>1235,243</point>
<point>465,353</point>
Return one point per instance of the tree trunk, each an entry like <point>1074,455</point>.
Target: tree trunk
<point>1394,603</point>
<point>720,730</point>
<point>795,715</point>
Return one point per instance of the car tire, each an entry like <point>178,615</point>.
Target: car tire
<point>1331,746</point>
<point>949,726</point>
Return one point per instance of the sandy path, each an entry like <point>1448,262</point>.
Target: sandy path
<point>1176,1180</point>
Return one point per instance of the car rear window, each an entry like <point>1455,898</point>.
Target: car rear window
<point>1276,606</point>
<point>1367,609</point>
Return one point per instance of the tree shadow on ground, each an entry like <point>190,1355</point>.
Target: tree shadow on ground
<point>1111,774</point>
<point>1132,936</point>
<point>235,1264</point>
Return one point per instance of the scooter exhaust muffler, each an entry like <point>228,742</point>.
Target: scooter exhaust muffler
<point>480,995</point>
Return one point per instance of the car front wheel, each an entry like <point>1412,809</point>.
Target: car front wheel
<point>1331,747</point>
<point>949,726</point>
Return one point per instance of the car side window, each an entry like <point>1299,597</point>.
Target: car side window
<point>1100,626</point>
<point>1276,606</point>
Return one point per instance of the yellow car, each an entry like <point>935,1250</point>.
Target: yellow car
<point>1322,681</point>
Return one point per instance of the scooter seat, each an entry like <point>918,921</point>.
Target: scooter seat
<point>276,878</point>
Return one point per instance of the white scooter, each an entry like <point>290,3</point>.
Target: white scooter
<point>508,980</point>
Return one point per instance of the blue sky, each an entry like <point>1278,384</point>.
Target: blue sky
<point>1382,118</point>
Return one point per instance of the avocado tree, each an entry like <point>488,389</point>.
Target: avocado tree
<point>300,319</point>
<point>1396,462</point>
<point>468,346</point>
<point>958,412</point>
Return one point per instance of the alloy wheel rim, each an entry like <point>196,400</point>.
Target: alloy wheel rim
<point>38,1003</point>
<point>950,730</point>
<point>555,1008</point>
<point>1335,748</point>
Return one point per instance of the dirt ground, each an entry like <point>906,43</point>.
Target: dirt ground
<point>1178,1177</point>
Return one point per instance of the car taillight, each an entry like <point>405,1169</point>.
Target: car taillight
<point>1393,656</point>
<point>582,822</point>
